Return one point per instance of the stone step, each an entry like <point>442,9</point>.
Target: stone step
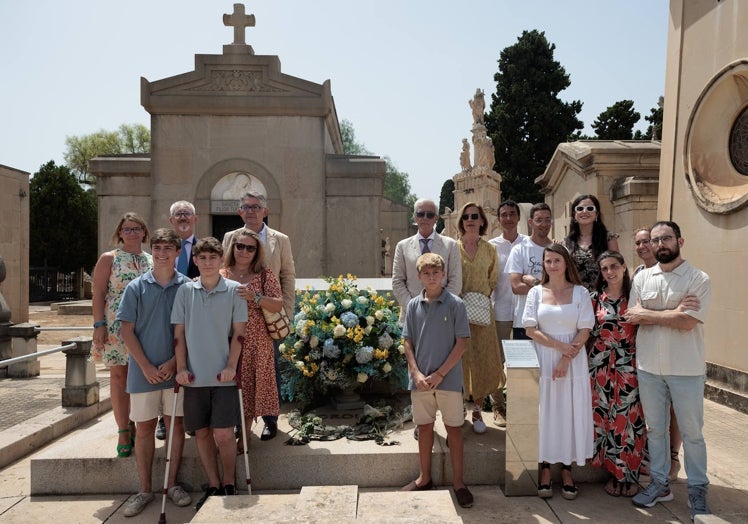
<point>332,504</point>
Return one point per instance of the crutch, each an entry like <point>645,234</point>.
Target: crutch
<point>162,518</point>
<point>244,425</point>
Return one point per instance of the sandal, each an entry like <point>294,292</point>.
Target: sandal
<point>125,450</point>
<point>568,491</point>
<point>612,487</point>
<point>630,489</point>
<point>545,491</point>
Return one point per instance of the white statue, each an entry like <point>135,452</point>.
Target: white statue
<point>465,156</point>
<point>484,153</point>
<point>478,105</point>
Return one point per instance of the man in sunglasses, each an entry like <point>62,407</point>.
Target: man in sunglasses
<point>405,283</point>
<point>669,303</point>
<point>253,210</point>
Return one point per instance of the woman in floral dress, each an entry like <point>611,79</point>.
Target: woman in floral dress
<point>245,263</point>
<point>588,238</point>
<point>620,436</point>
<point>482,363</point>
<point>114,270</point>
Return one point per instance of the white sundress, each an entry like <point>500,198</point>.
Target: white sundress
<point>565,428</point>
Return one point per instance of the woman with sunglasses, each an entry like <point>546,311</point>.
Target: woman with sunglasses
<point>482,363</point>
<point>245,263</point>
<point>588,238</point>
<point>114,270</point>
<point>620,437</point>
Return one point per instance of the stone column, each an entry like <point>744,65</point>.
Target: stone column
<point>81,388</point>
<point>23,342</point>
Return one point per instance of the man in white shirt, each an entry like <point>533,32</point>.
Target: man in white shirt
<point>502,296</point>
<point>525,263</point>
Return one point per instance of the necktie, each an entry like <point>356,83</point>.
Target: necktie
<point>425,246</point>
<point>183,260</point>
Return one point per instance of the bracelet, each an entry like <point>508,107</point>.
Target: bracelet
<point>258,298</point>
<point>437,372</point>
<point>99,323</point>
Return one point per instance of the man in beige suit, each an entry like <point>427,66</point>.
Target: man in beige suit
<point>405,283</point>
<point>253,209</point>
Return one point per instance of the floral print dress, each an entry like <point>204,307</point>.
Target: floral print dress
<point>620,435</point>
<point>125,268</point>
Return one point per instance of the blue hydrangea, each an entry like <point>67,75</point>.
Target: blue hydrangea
<point>330,350</point>
<point>349,319</point>
<point>385,341</point>
<point>299,316</point>
<point>364,354</point>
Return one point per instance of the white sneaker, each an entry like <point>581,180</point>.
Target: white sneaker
<point>179,496</point>
<point>479,426</point>
<point>138,503</point>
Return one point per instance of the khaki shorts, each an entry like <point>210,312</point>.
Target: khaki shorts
<point>149,405</point>
<point>425,404</point>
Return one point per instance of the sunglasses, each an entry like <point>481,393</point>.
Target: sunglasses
<point>471,216</point>
<point>427,214</point>
<point>251,248</point>
<point>589,209</point>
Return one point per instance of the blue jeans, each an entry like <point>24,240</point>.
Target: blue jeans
<point>276,358</point>
<point>687,396</point>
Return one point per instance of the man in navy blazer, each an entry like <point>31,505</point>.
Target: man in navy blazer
<point>183,219</point>
<point>405,283</point>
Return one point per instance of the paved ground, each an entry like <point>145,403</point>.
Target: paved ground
<point>726,432</point>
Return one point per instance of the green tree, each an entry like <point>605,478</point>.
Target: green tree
<point>446,200</point>
<point>527,120</point>
<point>129,138</point>
<point>617,121</point>
<point>396,183</point>
<point>654,130</point>
<point>62,220</point>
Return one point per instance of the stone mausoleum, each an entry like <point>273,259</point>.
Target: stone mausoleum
<point>235,123</point>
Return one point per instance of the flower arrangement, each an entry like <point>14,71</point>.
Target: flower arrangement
<point>340,338</point>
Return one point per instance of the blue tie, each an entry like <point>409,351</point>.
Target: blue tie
<point>425,247</point>
<point>183,261</point>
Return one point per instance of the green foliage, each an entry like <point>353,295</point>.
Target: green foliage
<point>396,183</point>
<point>617,121</point>
<point>446,200</point>
<point>527,120</point>
<point>129,138</point>
<point>654,131</point>
<point>63,220</point>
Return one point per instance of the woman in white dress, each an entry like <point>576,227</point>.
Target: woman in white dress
<point>558,317</point>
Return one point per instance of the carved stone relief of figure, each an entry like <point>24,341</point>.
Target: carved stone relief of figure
<point>478,105</point>
<point>465,156</point>
<point>484,153</point>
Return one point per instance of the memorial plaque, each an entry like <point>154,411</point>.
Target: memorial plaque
<point>520,354</point>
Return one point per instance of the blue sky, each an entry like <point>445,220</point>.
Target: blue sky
<point>401,71</point>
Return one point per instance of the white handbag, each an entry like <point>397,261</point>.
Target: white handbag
<point>478,308</point>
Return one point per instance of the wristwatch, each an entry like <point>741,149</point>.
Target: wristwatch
<point>99,323</point>
<point>258,297</point>
<point>536,282</point>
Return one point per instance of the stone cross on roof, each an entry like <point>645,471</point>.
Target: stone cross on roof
<point>239,21</point>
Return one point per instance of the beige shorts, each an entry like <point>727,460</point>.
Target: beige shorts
<point>425,404</point>
<point>149,405</point>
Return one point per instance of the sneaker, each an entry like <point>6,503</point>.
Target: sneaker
<point>210,492</point>
<point>161,429</point>
<point>179,496</point>
<point>228,489</point>
<point>697,501</point>
<point>479,426</point>
<point>654,493</point>
<point>499,420</point>
<point>138,503</point>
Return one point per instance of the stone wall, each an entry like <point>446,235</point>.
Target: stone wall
<point>14,241</point>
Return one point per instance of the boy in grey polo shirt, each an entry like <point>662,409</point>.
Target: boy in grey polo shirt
<point>436,332</point>
<point>209,317</point>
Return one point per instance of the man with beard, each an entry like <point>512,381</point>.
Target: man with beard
<point>183,219</point>
<point>669,302</point>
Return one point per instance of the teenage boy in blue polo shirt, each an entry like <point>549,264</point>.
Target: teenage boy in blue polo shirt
<point>145,317</point>
<point>436,332</point>
<point>209,317</point>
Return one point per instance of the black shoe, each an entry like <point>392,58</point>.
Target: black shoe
<point>270,430</point>
<point>161,429</point>
<point>210,492</point>
<point>237,431</point>
<point>229,489</point>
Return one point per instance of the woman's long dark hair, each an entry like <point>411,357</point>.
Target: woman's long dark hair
<point>600,284</point>
<point>599,231</point>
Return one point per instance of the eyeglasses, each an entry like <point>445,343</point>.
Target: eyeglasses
<point>254,208</point>
<point>661,240</point>
<point>251,248</point>
<point>128,230</point>
<point>427,214</point>
<point>589,209</point>
<point>642,242</point>
<point>183,214</point>
<point>471,216</point>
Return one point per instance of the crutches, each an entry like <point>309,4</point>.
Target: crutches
<point>244,425</point>
<point>162,518</point>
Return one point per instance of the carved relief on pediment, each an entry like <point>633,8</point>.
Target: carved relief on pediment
<point>236,80</point>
